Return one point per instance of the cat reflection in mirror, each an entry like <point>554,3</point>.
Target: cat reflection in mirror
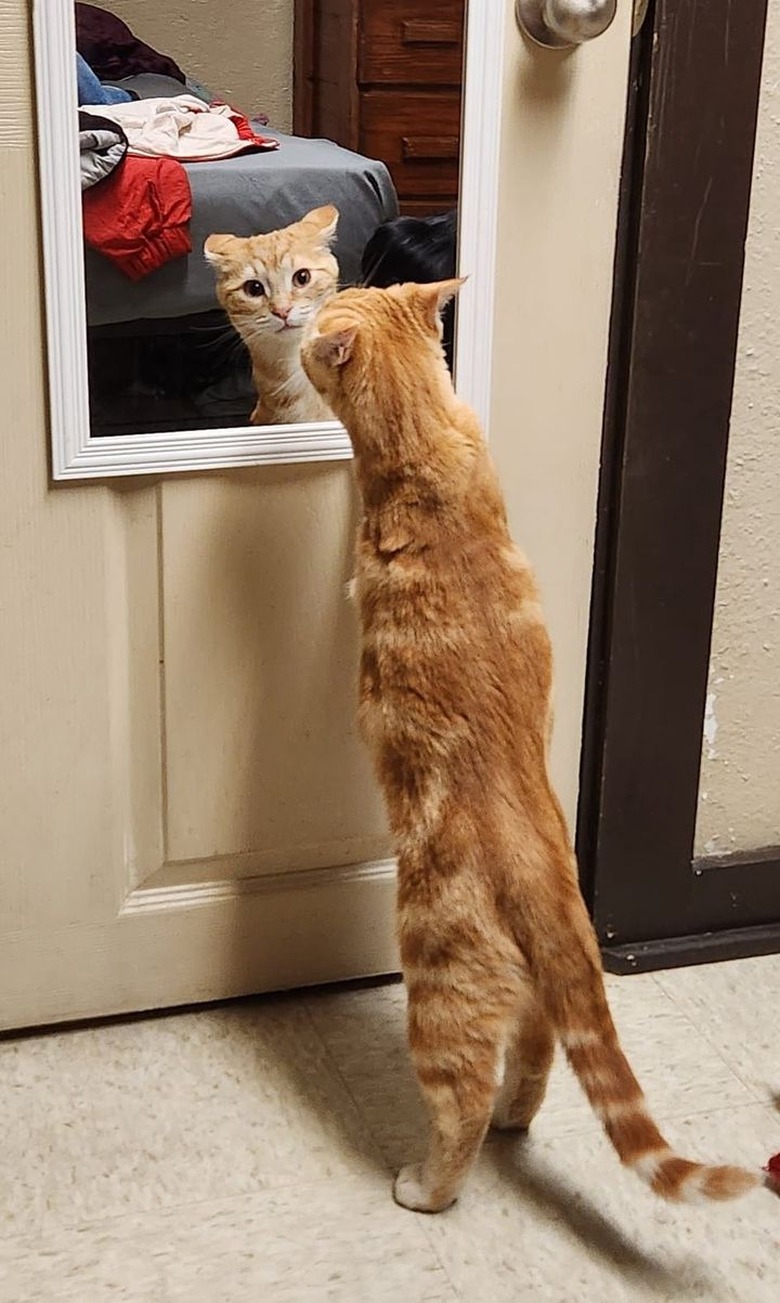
<point>271,286</point>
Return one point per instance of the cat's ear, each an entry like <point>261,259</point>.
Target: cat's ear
<point>324,221</point>
<point>335,348</point>
<point>217,249</point>
<point>431,299</point>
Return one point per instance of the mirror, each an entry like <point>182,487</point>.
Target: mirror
<point>210,176</point>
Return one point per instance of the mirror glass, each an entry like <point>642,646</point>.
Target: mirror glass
<point>237,164</point>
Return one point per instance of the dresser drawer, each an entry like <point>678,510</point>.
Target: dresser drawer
<point>427,207</point>
<point>417,135</point>
<point>408,42</point>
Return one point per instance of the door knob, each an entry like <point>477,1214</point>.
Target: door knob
<point>560,24</point>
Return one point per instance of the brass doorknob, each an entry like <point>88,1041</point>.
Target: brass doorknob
<point>560,24</point>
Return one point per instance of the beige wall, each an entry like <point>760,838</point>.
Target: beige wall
<point>242,49</point>
<point>739,796</point>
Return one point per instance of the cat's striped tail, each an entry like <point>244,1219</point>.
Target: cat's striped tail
<point>580,1013</point>
<point>615,1096</point>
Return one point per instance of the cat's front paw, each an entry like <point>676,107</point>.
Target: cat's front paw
<point>409,1192</point>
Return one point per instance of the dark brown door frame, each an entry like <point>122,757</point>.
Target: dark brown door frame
<point>694,96</point>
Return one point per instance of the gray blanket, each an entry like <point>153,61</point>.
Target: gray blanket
<point>243,196</point>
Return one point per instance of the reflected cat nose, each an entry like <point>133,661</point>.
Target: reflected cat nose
<point>282,313</point>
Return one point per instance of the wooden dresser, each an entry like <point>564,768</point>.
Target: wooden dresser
<point>383,77</point>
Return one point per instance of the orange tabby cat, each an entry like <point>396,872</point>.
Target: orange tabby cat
<point>271,286</point>
<point>499,955</point>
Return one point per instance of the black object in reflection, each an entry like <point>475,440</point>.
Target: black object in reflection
<point>422,249</point>
<point>189,373</point>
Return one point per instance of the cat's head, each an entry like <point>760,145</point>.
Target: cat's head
<point>272,285</point>
<point>370,347</point>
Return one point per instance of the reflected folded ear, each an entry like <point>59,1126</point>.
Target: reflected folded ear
<point>333,349</point>
<point>217,249</point>
<point>432,298</point>
<point>324,220</point>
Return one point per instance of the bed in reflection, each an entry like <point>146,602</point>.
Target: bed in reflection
<point>161,354</point>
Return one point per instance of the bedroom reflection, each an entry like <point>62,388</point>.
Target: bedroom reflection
<point>190,132</point>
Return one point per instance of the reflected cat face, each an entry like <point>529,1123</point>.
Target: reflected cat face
<point>272,285</point>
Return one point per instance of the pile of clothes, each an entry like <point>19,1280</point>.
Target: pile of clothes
<point>136,194</point>
<point>113,52</point>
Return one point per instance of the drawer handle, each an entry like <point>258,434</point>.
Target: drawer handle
<point>425,148</point>
<point>427,31</point>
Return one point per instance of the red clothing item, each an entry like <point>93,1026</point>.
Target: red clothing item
<point>138,216</point>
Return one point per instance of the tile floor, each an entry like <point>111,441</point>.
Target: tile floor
<point>244,1153</point>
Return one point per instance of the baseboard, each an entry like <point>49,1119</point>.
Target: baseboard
<point>684,951</point>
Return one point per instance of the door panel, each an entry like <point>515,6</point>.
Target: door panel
<point>186,812</point>
<point>136,694</point>
<point>262,757</point>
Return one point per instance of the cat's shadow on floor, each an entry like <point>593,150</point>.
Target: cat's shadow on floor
<point>366,1044</point>
<point>539,1185</point>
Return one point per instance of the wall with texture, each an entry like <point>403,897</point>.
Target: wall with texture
<point>739,792</point>
<point>241,50</point>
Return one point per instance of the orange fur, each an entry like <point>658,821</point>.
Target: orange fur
<point>271,324</point>
<point>498,952</point>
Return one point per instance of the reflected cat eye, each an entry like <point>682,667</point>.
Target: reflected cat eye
<point>255,289</point>
<point>302,277</point>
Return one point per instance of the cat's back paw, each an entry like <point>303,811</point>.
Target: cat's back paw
<point>409,1191</point>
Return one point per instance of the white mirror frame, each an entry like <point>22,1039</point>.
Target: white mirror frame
<point>76,454</point>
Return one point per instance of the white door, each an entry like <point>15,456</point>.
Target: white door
<point>186,812</point>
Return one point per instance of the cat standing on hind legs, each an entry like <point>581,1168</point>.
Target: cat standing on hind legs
<point>499,956</point>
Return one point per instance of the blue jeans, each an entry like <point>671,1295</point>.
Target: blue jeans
<point>92,91</point>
